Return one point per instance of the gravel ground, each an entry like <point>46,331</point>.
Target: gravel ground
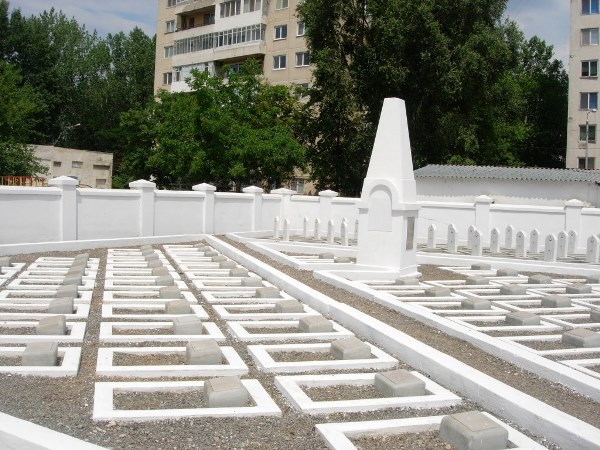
<point>65,405</point>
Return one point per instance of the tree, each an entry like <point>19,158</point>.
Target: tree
<point>239,130</point>
<point>450,60</point>
<point>20,103</point>
<point>246,128</point>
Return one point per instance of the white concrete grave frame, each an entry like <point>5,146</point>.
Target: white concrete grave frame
<point>233,365</point>
<point>582,365</point>
<point>496,324</point>
<point>520,341</point>
<point>226,312</point>
<point>240,297</point>
<point>291,387</point>
<point>108,312</point>
<point>265,362</point>
<point>40,297</point>
<point>44,284</point>
<point>37,311</point>
<point>209,331</point>
<point>337,435</point>
<point>239,330</point>
<point>104,402</point>
<point>388,209</point>
<point>69,365</point>
<point>75,333</point>
<point>143,297</point>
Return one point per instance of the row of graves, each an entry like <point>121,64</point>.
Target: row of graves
<point>556,318</point>
<point>201,333</point>
<point>205,318</point>
<point>43,314</point>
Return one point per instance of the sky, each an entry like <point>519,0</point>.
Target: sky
<point>548,19</point>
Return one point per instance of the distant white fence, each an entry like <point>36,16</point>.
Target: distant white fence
<point>62,212</point>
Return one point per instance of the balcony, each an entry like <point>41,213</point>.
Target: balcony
<point>194,6</point>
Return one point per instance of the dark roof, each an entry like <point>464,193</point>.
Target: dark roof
<point>508,173</point>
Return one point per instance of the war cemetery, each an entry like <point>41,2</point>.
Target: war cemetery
<point>147,318</point>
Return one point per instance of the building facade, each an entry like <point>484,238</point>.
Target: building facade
<point>92,169</point>
<point>209,34</point>
<point>584,86</point>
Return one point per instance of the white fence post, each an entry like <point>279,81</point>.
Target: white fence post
<point>257,198</point>
<point>208,218</point>
<point>68,206</point>
<point>146,189</point>
<point>286,198</point>
<point>325,208</point>
<point>573,210</point>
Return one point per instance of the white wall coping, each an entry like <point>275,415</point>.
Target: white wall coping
<point>24,190</point>
<point>88,192</point>
<point>190,194</point>
<point>235,195</point>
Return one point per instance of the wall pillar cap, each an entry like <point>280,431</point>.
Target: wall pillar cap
<point>204,187</point>
<point>328,193</point>
<point>142,184</point>
<point>283,191</point>
<point>575,203</point>
<point>484,199</point>
<point>63,181</point>
<point>252,190</point>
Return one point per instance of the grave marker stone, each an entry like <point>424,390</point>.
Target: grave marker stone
<point>495,240</point>
<point>534,241</point>
<point>452,244</point>
<point>592,252</point>
<point>431,236</point>
<point>276,228</point>
<point>509,237</point>
<point>550,248</point>
<point>521,245</point>
<point>572,242</point>
<point>562,246</point>
<point>330,231</point>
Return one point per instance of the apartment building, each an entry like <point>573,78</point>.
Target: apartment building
<point>210,34</point>
<point>583,149</point>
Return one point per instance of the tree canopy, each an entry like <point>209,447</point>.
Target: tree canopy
<point>236,130</point>
<point>473,86</point>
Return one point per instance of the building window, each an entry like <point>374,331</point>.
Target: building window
<point>101,183</point>
<point>297,185</point>
<point>302,59</point>
<point>590,165</point>
<point>279,62</point>
<point>76,164</point>
<point>280,32</point>
<point>209,19</point>
<point>252,5</point>
<point>175,2</point>
<point>589,7</point>
<point>588,100</point>
<point>101,167</point>
<point>168,52</point>
<point>592,133</point>
<point>589,36</point>
<point>281,4</point>
<point>231,8</point>
<point>589,68</point>
<point>301,28</point>
<point>168,78</point>
<point>56,164</point>
<point>170,26</point>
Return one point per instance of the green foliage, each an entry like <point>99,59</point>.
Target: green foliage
<point>20,103</point>
<point>237,130</point>
<point>81,78</point>
<point>470,82</point>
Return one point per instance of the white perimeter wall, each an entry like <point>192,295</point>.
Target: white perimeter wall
<point>63,213</point>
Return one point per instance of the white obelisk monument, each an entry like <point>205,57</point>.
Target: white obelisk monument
<point>388,207</point>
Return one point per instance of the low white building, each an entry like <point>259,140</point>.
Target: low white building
<point>90,168</point>
<point>511,185</point>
